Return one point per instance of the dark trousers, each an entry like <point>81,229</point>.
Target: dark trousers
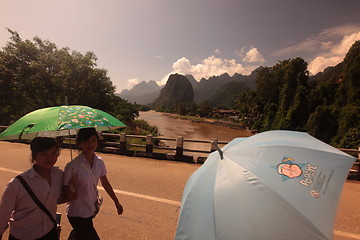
<point>83,229</point>
<point>52,235</point>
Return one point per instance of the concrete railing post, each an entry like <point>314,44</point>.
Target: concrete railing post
<point>179,146</point>
<point>149,143</point>
<point>101,142</point>
<point>122,144</point>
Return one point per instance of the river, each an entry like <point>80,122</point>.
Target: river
<point>172,128</point>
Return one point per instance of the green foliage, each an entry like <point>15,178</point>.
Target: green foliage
<point>327,105</point>
<point>204,109</point>
<point>351,140</point>
<point>250,107</point>
<point>322,123</point>
<point>293,92</point>
<point>180,108</point>
<point>324,91</point>
<point>269,118</point>
<point>143,128</point>
<point>144,108</point>
<point>226,95</point>
<point>36,74</point>
<point>348,118</point>
<point>349,89</point>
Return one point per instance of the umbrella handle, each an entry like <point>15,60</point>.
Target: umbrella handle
<point>71,157</point>
<point>28,127</point>
<point>219,150</point>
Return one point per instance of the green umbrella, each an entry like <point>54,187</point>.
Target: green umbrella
<point>60,121</point>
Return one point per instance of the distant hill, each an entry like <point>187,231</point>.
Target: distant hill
<point>329,73</point>
<point>177,89</point>
<point>227,94</point>
<point>192,80</point>
<point>142,93</point>
<point>146,93</point>
<point>249,80</point>
<point>206,89</point>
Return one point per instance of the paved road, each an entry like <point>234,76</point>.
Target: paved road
<point>150,191</point>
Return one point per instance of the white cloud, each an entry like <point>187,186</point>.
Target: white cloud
<point>309,45</point>
<point>182,65</point>
<point>159,57</point>
<point>334,55</point>
<point>217,51</point>
<point>324,41</point>
<point>346,43</point>
<point>164,79</point>
<point>253,56</point>
<point>328,48</point>
<point>211,66</point>
<point>132,82</point>
<point>320,63</point>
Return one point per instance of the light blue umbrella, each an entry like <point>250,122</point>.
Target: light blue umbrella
<point>273,185</point>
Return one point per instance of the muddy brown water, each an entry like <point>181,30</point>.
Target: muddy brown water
<point>172,128</point>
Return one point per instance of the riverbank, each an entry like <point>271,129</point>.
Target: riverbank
<point>195,119</point>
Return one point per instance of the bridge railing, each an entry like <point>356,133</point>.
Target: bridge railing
<point>122,145</point>
<point>179,148</point>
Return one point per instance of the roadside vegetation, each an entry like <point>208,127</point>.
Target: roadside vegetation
<point>36,74</point>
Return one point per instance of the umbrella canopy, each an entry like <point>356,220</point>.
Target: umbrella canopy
<point>59,121</point>
<point>273,185</point>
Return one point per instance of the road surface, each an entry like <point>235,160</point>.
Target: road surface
<point>150,191</point>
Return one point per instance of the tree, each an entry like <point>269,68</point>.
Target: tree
<point>204,109</point>
<point>36,74</point>
<point>181,108</point>
<point>293,92</point>
<point>348,118</point>
<point>349,90</point>
<point>351,139</point>
<point>323,123</point>
<point>249,104</point>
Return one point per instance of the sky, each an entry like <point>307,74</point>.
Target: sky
<point>143,40</point>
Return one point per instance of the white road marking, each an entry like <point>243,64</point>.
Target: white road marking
<point>163,200</point>
<point>346,234</point>
<point>176,203</point>
<point>10,170</point>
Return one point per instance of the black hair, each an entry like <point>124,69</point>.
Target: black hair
<point>85,134</point>
<point>41,144</point>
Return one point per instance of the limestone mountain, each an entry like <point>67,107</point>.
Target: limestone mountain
<point>227,94</point>
<point>142,93</point>
<point>177,89</point>
<point>206,89</point>
<point>249,80</point>
<point>192,80</point>
<point>146,93</point>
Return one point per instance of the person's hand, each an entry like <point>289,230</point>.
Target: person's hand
<point>71,193</point>
<point>119,208</point>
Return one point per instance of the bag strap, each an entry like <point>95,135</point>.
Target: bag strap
<point>36,200</point>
